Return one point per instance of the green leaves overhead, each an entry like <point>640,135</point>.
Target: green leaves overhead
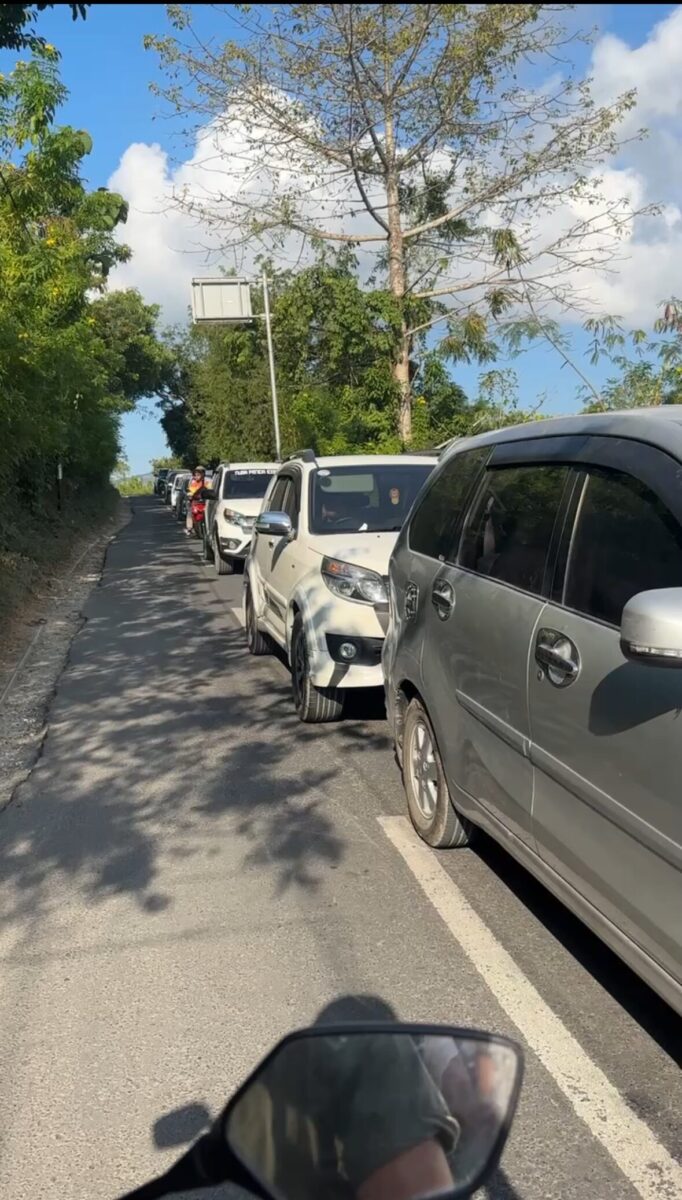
<point>455,144</point>
<point>72,359</point>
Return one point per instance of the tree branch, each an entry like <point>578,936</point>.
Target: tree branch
<point>365,198</point>
<point>553,342</point>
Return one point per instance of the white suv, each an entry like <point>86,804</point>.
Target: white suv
<point>238,490</point>
<point>315,578</point>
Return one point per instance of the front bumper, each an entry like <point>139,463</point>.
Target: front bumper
<point>359,625</point>
<point>234,541</point>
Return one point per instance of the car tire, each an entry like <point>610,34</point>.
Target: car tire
<point>256,641</point>
<point>314,705</point>
<point>222,565</point>
<point>428,799</point>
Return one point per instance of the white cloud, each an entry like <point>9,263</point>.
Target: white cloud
<point>166,244</point>
<point>169,246</point>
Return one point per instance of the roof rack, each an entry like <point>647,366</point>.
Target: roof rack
<point>304,455</point>
<point>445,446</point>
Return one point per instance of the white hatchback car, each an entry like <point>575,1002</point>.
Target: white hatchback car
<point>315,578</point>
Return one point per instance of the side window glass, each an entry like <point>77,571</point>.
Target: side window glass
<point>290,502</point>
<point>435,526</point>
<point>277,495</point>
<point>509,531</point>
<point>625,541</point>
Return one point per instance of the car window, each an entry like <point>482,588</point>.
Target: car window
<point>366,498</point>
<point>246,484</point>
<point>508,533</point>
<point>290,502</point>
<point>277,495</point>
<point>625,541</point>
<point>435,525</point>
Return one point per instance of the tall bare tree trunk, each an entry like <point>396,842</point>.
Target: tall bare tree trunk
<point>398,285</point>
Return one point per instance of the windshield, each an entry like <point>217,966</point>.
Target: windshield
<point>368,499</point>
<point>246,485</point>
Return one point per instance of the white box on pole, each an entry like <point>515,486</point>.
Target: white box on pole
<point>221,301</point>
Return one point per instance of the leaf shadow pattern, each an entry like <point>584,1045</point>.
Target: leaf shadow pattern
<point>163,735</point>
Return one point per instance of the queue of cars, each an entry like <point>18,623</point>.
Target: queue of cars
<point>520,598</point>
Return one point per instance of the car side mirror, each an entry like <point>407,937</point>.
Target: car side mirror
<point>274,524</point>
<point>651,628</point>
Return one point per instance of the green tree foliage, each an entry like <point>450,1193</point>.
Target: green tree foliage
<point>169,462</point>
<point>649,367</point>
<point>333,349</point>
<point>17,24</point>
<point>69,364</point>
<point>453,131</point>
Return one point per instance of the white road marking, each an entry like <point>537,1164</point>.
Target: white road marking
<point>636,1151</point>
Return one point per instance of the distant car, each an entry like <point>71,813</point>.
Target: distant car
<point>533,666</point>
<point>160,481</point>
<point>168,485</point>
<point>179,482</point>
<point>238,491</point>
<point>180,511</point>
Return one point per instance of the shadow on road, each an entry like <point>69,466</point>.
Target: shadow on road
<point>162,725</point>
<point>647,1009</point>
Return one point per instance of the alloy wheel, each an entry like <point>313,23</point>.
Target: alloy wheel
<point>423,770</point>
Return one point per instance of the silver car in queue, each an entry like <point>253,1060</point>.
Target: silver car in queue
<point>533,666</point>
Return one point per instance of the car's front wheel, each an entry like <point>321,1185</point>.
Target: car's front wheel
<point>255,640</point>
<point>314,705</point>
<point>222,565</point>
<point>428,798</point>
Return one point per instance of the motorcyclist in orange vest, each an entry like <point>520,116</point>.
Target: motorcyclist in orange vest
<point>196,483</point>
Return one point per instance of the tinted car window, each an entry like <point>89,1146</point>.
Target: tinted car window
<point>508,533</point>
<point>435,526</point>
<point>625,541</point>
<point>367,498</point>
<point>277,495</point>
<point>290,502</point>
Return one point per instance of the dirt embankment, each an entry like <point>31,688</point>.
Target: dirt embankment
<point>43,587</point>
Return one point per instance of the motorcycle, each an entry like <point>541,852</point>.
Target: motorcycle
<point>361,1112</point>
<point>197,508</point>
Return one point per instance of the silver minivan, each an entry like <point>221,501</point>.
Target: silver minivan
<point>533,666</point>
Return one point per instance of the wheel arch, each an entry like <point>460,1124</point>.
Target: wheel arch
<point>403,694</point>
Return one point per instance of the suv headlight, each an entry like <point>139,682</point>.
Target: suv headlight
<point>238,518</point>
<point>354,583</point>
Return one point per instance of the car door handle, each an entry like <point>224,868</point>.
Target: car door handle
<point>558,656</point>
<point>443,599</point>
<point>411,600</point>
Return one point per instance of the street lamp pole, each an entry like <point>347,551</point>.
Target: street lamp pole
<point>271,361</point>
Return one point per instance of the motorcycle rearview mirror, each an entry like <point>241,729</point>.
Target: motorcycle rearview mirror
<point>362,1112</point>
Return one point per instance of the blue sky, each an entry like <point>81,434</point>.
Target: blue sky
<point>108,73</point>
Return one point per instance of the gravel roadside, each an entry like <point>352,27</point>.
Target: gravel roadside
<point>34,648</point>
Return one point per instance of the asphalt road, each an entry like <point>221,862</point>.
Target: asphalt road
<point>188,873</point>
